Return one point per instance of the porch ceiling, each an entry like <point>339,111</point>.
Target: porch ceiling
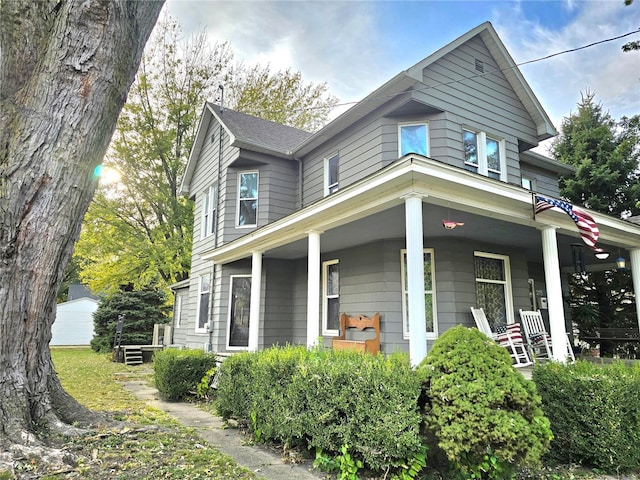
<point>373,209</point>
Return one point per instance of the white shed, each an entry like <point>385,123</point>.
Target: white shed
<point>74,322</point>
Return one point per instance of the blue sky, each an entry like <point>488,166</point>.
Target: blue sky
<point>356,46</point>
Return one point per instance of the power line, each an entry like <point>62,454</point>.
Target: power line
<point>344,104</point>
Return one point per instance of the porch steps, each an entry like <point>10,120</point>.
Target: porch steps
<point>132,355</point>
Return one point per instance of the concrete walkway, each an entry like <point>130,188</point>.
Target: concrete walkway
<point>263,462</point>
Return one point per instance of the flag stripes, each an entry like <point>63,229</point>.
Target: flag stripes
<point>586,224</point>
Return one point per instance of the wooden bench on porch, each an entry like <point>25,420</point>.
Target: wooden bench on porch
<point>361,323</point>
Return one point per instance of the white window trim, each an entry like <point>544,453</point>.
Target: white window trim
<point>481,146</point>
<point>327,186</point>
<point>405,323</point>
<point>508,292</point>
<point>253,225</point>
<point>325,311</point>
<point>208,221</point>
<point>531,180</point>
<point>410,124</point>
<point>229,347</point>
<point>200,292</point>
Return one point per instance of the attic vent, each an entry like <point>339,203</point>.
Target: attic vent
<point>479,66</point>
<point>213,137</point>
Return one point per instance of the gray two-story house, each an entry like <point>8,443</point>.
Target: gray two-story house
<point>416,203</point>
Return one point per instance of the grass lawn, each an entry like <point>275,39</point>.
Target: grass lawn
<point>150,445</point>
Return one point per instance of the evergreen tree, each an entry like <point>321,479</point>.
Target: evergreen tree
<point>142,309</point>
<point>605,154</point>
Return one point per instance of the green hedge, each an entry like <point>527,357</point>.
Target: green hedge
<point>594,412</point>
<point>485,416</point>
<point>178,372</point>
<point>326,400</point>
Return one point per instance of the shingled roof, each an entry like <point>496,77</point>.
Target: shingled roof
<point>257,132</point>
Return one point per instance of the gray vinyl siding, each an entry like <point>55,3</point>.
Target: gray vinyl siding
<point>546,182</point>
<point>484,103</point>
<point>180,332</point>
<point>278,321</point>
<point>370,282</point>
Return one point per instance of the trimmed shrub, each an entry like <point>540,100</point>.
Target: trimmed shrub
<point>367,402</point>
<point>485,416</point>
<point>344,404</point>
<point>178,372</point>
<point>594,412</point>
<point>234,395</point>
<point>273,408</point>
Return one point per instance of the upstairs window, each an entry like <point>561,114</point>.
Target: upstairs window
<point>483,154</point>
<point>331,165</point>
<point>209,205</point>
<point>247,199</point>
<point>413,138</point>
<point>528,183</point>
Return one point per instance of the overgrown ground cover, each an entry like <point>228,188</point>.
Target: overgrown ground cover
<point>145,443</point>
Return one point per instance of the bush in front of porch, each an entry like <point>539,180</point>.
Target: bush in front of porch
<point>483,415</point>
<point>595,413</point>
<point>344,405</point>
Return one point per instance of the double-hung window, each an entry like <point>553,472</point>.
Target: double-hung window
<point>493,287</point>
<point>331,165</point>
<point>429,294</point>
<point>484,154</point>
<point>247,199</point>
<point>209,204</point>
<point>204,294</point>
<point>413,138</point>
<point>331,297</point>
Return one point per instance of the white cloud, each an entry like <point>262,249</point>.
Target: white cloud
<point>604,69</point>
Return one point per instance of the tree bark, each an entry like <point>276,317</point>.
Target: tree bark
<point>65,71</point>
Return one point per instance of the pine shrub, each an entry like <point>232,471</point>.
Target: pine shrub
<point>483,414</point>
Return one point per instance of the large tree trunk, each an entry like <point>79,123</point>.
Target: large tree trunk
<point>65,71</point>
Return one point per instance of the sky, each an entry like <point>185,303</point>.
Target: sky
<point>356,46</point>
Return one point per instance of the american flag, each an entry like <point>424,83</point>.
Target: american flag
<point>585,222</point>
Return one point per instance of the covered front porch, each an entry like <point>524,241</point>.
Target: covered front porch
<point>404,206</point>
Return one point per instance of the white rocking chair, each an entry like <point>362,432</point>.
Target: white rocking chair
<point>538,340</point>
<point>511,339</point>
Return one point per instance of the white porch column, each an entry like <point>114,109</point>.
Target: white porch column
<point>635,275</point>
<point>415,279</point>
<point>255,307</point>
<point>554,294</point>
<point>313,289</point>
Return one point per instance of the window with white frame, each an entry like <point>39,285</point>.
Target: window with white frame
<point>239,311</point>
<point>209,204</point>
<point>429,293</point>
<point>493,287</point>
<point>331,166</point>
<point>247,199</point>
<point>204,295</point>
<point>484,154</point>
<point>331,297</point>
<point>413,138</point>
<point>528,183</point>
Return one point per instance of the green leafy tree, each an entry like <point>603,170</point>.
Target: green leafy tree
<point>141,309</point>
<point>139,229</point>
<point>605,154</point>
